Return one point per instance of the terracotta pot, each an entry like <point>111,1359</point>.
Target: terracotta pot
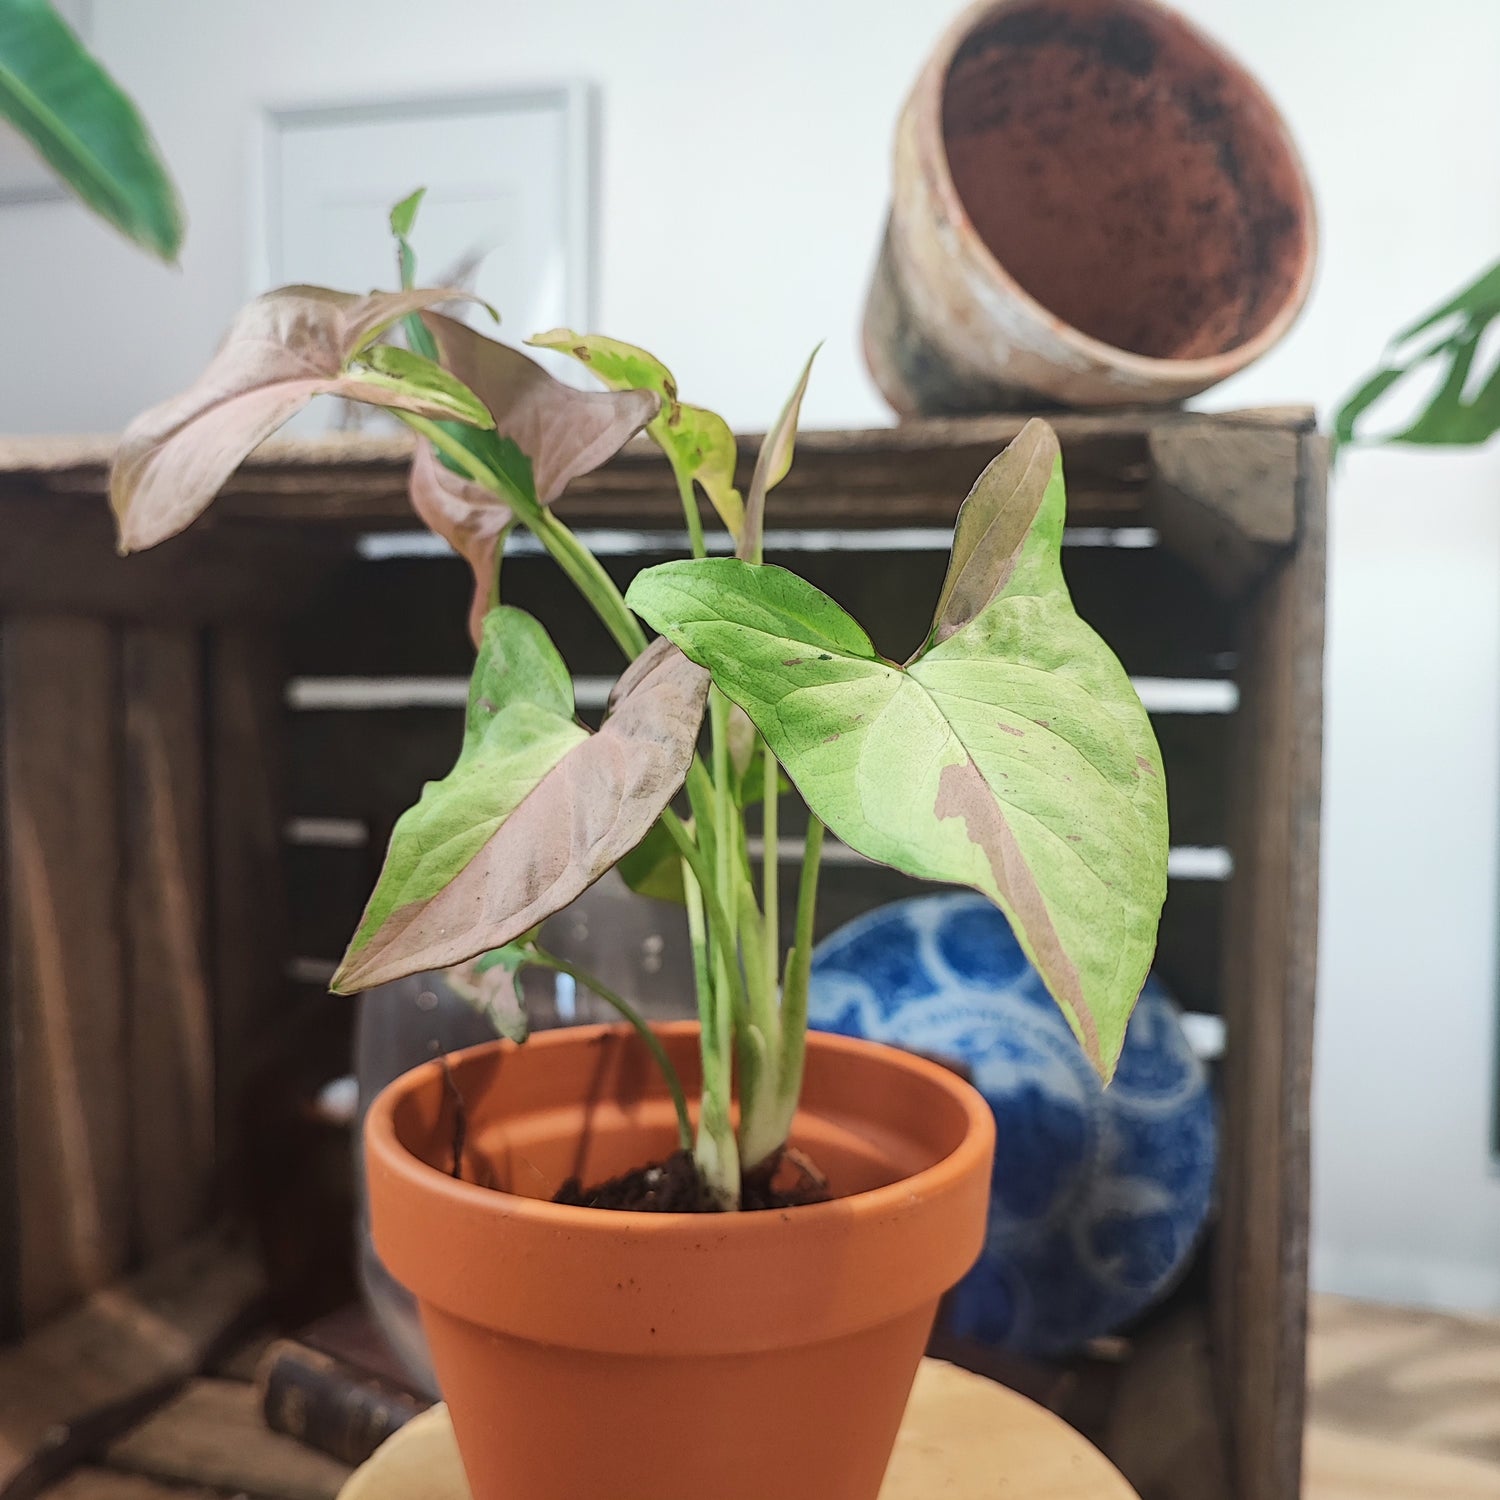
<point>588,1355</point>
<point>1093,205</point>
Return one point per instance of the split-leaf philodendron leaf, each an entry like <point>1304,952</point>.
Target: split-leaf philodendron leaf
<point>283,349</point>
<point>557,431</point>
<point>536,808</point>
<point>698,443</point>
<point>1011,754</point>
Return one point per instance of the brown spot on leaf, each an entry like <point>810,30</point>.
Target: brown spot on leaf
<point>794,661</point>
<point>1145,765</point>
<point>1011,729</point>
<point>837,734</point>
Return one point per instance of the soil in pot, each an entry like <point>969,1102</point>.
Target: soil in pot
<point>673,1186</point>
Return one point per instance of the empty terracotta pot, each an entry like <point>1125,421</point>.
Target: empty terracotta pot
<point>585,1353</point>
<point>1094,205</point>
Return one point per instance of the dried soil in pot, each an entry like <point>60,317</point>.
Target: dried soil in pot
<point>1133,187</point>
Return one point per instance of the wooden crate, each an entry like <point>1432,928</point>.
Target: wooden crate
<point>204,747</point>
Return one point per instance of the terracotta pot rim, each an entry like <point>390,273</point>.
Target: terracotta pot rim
<point>383,1142</point>
<point>927,104</point>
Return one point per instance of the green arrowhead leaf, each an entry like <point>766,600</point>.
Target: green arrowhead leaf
<point>534,811</point>
<point>283,349</point>
<point>84,127</point>
<point>1012,755</point>
<point>404,213</point>
<point>698,443</point>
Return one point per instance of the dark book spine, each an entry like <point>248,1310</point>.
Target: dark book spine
<point>329,1405</point>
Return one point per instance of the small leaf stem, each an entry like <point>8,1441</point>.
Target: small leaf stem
<point>643,1030</point>
<point>581,566</point>
<point>770,862</point>
<point>690,514</point>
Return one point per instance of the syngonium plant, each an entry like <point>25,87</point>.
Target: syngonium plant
<point>1009,753</point>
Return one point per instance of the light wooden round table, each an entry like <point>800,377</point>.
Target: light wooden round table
<point>964,1438</point>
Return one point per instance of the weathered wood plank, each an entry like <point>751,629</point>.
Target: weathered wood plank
<point>60,555</point>
<point>66,972</point>
<point>75,1383</point>
<point>247,746</point>
<point>1270,966</point>
<point>166,849</point>
<point>213,1434</point>
<point>913,474</point>
<point>407,616</point>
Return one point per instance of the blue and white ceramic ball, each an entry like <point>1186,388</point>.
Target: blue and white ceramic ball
<point>1099,1195</point>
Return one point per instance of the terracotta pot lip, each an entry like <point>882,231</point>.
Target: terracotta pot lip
<point>927,103</point>
<point>382,1142</point>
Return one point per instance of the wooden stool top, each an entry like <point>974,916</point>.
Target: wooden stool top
<point>964,1438</point>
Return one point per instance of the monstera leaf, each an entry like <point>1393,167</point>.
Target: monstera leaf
<point>1011,754</point>
<point>698,443</point>
<point>283,349</point>
<point>536,808</point>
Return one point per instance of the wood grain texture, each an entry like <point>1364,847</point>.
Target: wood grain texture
<point>1224,498</point>
<point>913,474</point>
<point>212,1434</point>
<point>1270,965</point>
<point>82,1378</point>
<point>247,750</point>
<point>166,855</point>
<point>66,972</point>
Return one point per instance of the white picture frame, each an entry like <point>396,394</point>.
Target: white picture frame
<point>511,192</point>
<point>24,176</point>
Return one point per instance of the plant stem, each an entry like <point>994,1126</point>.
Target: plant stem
<point>768,1099</point>
<point>581,566</point>
<point>718,918</point>
<point>689,498</point>
<point>638,1021</point>
<point>771,860</point>
<point>716,1151</point>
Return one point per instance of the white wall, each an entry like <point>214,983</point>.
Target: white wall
<point>744,184</point>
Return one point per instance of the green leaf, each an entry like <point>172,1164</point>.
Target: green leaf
<point>1460,411</point>
<point>491,983</point>
<point>420,377</point>
<point>283,349</point>
<point>534,811</point>
<point>1012,755</point>
<point>772,465</point>
<point>654,867</point>
<point>404,214</point>
<point>519,725</point>
<point>698,443</point>
<point>85,127</point>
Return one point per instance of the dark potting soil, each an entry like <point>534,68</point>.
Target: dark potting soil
<point>673,1186</point>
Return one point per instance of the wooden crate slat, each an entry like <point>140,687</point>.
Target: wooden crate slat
<point>1270,969</point>
<point>247,749</point>
<point>72,1137</point>
<point>212,1434</point>
<point>406,616</point>
<point>77,1381</point>
<point>166,846</point>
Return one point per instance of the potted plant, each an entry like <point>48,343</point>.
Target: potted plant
<point>680,1348</point>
